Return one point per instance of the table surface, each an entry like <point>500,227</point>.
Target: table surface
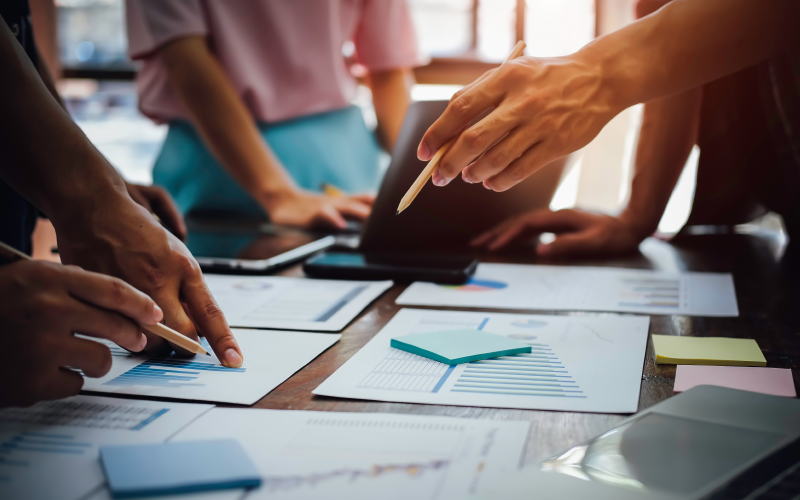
<point>765,294</point>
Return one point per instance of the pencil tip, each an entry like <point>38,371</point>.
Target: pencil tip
<point>397,213</point>
<point>208,354</point>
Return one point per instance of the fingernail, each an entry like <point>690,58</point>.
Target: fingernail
<point>465,178</point>
<point>437,179</point>
<point>232,359</point>
<point>142,343</point>
<point>487,186</point>
<point>424,152</point>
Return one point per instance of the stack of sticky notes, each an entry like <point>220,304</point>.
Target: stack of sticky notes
<point>172,468</point>
<point>774,381</point>
<point>454,347</point>
<point>674,350</point>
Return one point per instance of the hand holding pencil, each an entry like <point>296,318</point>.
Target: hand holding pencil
<point>433,164</point>
<point>116,288</point>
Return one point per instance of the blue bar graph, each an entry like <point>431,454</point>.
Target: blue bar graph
<point>39,443</point>
<point>168,372</point>
<point>539,373</point>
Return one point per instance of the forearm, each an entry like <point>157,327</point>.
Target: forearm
<point>47,158</point>
<point>222,120</point>
<point>391,97</point>
<point>668,133</point>
<point>688,43</point>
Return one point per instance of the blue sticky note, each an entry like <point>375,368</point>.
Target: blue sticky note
<point>181,467</point>
<point>460,346</point>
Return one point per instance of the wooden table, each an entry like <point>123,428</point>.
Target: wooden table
<point>768,304</point>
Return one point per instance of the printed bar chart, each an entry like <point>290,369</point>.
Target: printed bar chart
<point>650,292</point>
<point>539,373</point>
<point>168,373</point>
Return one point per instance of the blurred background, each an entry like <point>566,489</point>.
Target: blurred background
<point>84,42</point>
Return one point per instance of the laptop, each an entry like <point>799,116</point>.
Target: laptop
<point>443,220</point>
<point>706,443</point>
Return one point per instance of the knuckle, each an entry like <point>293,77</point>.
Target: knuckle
<point>188,265</point>
<point>497,160</point>
<point>474,138</point>
<point>118,291</point>
<point>458,94</point>
<point>212,311</point>
<point>461,104</point>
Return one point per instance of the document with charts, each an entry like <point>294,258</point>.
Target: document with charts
<point>577,363</point>
<point>270,357</point>
<point>50,450</point>
<point>367,456</point>
<point>292,303</point>
<point>514,286</point>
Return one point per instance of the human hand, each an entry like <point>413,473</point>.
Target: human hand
<point>544,109</point>
<point>158,201</point>
<point>577,232</point>
<point>43,305</point>
<point>304,209</point>
<point>120,238</point>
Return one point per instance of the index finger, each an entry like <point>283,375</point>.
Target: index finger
<point>112,294</point>
<point>210,321</point>
<point>466,105</point>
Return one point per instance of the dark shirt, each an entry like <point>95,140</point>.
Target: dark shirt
<point>17,215</point>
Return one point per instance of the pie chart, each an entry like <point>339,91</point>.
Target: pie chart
<point>478,285</point>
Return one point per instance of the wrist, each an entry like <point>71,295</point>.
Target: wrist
<point>616,72</point>
<point>640,223</point>
<point>273,196</point>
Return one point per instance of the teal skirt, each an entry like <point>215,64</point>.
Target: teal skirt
<point>333,148</point>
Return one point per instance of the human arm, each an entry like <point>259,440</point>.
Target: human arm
<point>547,108</point>
<point>230,133</point>
<point>391,98</point>
<point>43,305</point>
<point>668,133</point>
<point>49,161</point>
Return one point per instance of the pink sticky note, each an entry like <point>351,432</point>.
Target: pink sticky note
<point>775,381</point>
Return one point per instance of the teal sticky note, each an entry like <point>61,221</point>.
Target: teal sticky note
<point>460,346</point>
<point>182,467</point>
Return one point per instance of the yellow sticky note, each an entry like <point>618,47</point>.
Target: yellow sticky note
<point>672,350</point>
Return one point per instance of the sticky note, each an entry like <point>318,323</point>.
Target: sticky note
<point>182,467</point>
<point>459,346</point>
<point>774,381</point>
<point>674,350</point>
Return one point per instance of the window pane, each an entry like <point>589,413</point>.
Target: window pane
<point>444,27</point>
<point>496,27</point>
<point>91,33</point>
<point>558,27</point>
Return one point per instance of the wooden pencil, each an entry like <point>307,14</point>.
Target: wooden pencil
<point>427,172</point>
<point>159,329</point>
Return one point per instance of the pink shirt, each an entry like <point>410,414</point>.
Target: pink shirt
<point>284,57</point>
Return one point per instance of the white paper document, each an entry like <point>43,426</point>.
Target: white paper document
<point>367,456</point>
<point>292,303</point>
<point>270,357</point>
<point>513,286</point>
<point>50,451</point>
<point>577,363</point>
